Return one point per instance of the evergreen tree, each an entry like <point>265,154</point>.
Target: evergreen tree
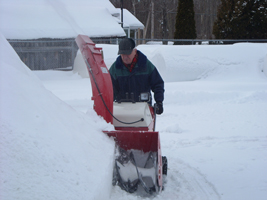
<point>250,19</point>
<point>241,19</point>
<point>185,27</point>
<point>223,27</point>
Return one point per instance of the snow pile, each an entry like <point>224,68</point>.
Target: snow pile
<point>79,65</point>
<point>193,62</point>
<point>48,150</point>
<point>213,129</point>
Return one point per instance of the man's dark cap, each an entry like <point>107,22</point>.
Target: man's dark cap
<point>126,46</point>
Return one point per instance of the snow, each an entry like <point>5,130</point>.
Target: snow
<point>213,129</point>
<point>33,19</point>
<point>129,20</point>
<point>48,149</point>
<point>265,65</point>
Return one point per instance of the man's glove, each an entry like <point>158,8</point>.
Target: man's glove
<point>159,108</point>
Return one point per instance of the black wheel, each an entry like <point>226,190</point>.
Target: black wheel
<point>164,165</point>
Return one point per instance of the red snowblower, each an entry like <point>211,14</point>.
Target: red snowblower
<point>138,165</point>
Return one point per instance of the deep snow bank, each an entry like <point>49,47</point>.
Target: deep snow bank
<point>47,149</point>
<point>193,62</point>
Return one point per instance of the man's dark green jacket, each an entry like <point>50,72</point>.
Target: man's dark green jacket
<point>143,79</point>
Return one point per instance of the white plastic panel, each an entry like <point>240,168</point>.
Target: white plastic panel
<point>130,112</point>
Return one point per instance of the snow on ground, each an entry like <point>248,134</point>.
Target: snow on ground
<point>48,150</point>
<point>213,129</point>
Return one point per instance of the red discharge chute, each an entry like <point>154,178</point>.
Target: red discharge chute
<point>99,75</point>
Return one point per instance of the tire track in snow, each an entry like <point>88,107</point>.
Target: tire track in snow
<point>188,182</point>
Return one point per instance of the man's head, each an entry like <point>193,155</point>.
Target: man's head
<point>127,50</point>
<point>126,46</point>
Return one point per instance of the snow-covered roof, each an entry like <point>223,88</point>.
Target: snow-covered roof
<point>32,19</point>
<point>129,20</point>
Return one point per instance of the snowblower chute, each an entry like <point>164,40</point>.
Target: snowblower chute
<point>138,165</point>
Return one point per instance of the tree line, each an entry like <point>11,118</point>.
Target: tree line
<point>200,19</point>
<point>241,19</point>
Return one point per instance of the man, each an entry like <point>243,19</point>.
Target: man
<point>134,77</point>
